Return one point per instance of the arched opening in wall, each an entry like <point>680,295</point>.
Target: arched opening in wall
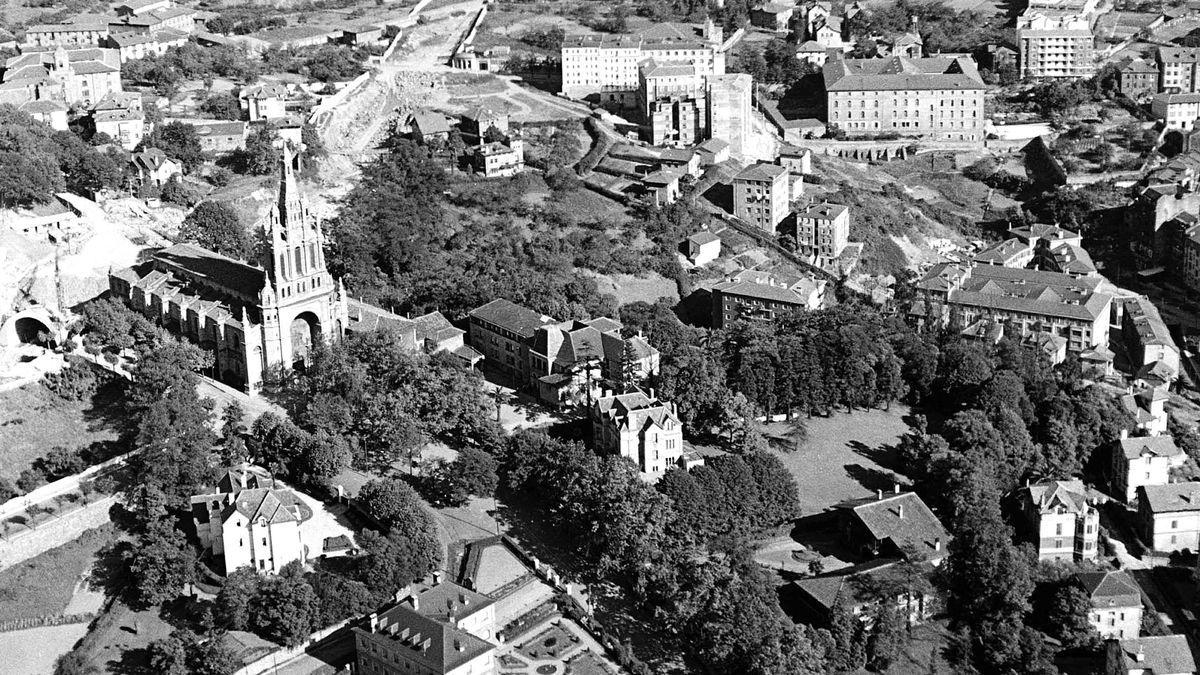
<point>306,332</point>
<point>31,331</point>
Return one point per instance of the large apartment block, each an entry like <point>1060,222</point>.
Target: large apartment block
<point>1177,69</point>
<point>607,65</point>
<point>938,97</point>
<point>1051,44</point>
<point>1025,301</point>
<point>761,195</point>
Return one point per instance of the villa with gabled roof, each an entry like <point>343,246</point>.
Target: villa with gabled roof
<point>1063,518</point>
<point>640,428</point>
<point>249,522</point>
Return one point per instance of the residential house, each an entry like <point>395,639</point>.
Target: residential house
<point>172,18</point>
<point>755,294</point>
<point>1063,517</point>
<point>361,34</point>
<point>1142,460</point>
<point>499,159</point>
<point>640,428</point>
<point>570,361</point>
<point>682,160</point>
<point>772,16</point>
<point>1157,655</point>
<point>249,522</point>
<point>134,46</point>
<point>1007,253</point>
<point>814,600</point>
<point>291,38</point>
<point>812,52</point>
<point>154,168</point>
<point>761,195</point>
<point>823,230</point>
<point>136,7</point>
<point>1147,340</point>
<point>478,119</point>
<point>218,136</point>
<point>481,59</point>
<point>502,330</point>
<point>1137,78</point>
<point>1053,348</point>
<point>713,151</point>
<point>1149,409</point>
<point>890,525</point>
<point>1177,111</point>
<point>49,112</point>
<point>703,248</point>
<point>402,640</point>
<point>121,117</point>
<point>264,101</point>
<point>662,186</point>
<point>1116,600</point>
<point>434,333</point>
<point>1169,516</point>
<point>939,98</point>
<point>427,126</point>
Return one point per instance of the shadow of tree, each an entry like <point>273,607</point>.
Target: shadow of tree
<point>871,478</point>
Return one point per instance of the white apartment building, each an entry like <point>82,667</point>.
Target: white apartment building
<point>1142,461</point>
<point>1177,111</point>
<point>1116,600</point>
<point>823,230</point>
<point>761,194</point>
<point>1053,44</point>
<point>1169,516</point>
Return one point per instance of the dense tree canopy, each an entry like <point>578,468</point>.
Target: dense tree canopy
<point>217,227</point>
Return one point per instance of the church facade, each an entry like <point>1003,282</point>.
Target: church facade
<point>253,318</point>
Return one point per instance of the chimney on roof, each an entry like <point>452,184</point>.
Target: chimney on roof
<point>416,603</point>
<point>1140,656</point>
<point>651,392</point>
<point>879,494</point>
<point>937,543</point>
<point>374,621</point>
<point>900,510</point>
<point>895,488</point>
<point>438,577</point>
<point>458,645</point>
<point>1124,434</point>
<point>463,599</point>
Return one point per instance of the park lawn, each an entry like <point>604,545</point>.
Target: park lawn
<point>33,420</point>
<point>117,640</point>
<point>44,584</point>
<point>845,455</point>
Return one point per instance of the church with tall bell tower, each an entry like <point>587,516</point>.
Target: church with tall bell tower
<point>256,318</point>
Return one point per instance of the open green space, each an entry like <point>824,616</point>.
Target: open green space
<point>844,456</point>
<point>44,584</point>
<point>33,420</point>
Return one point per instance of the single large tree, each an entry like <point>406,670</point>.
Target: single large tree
<point>217,227</point>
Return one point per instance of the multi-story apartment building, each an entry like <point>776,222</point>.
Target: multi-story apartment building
<point>761,194</point>
<point>1116,600</point>
<point>672,81</point>
<point>1062,518</point>
<point>250,523</point>
<point>1148,341</point>
<point>937,97</point>
<point>1025,301</point>
<point>1055,44</point>
<point>754,294</point>
<point>640,428</point>
<point>607,65</point>
<point>823,230</point>
<point>1142,461</point>
<point>83,30</point>
<point>729,110</point>
<point>1177,69</point>
<point>1177,111</point>
<point>1169,516</point>
<point>674,121</point>
<point>501,330</point>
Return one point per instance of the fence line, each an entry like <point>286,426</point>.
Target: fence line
<point>10,625</point>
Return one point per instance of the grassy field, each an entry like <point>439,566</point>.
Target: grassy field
<point>845,455</point>
<point>33,420</point>
<point>43,585</point>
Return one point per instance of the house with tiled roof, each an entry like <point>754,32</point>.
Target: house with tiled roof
<point>247,521</point>
<point>428,125</point>
<point>1116,601</point>
<point>1148,406</point>
<point>501,330</point>
<point>1151,655</point>
<point>1062,519</point>
<point>264,101</point>
<point>772,16</point>
<point>1147,339</point>
<point>898,524</point>
<point>640,428</point>
<point>481,117</point>
<point>1169,516</point>
<point>442,600</point>
<point>813,599</point>
<point>402,639</point>
<point>82,75</point>
<point>763,295</point>
<point>217,136</point>
<point>703,248</point>
<point>567,358</point>
<point>121,117</point>
<point>153,167</point>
